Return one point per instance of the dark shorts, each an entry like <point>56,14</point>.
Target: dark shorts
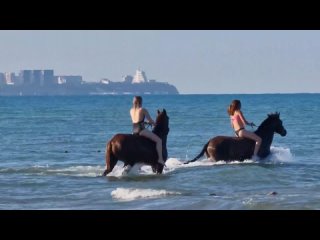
<point>238,131</point>
<point>137,128</point>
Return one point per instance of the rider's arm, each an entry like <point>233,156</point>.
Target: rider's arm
<point>131,114</point>
<point>243,119</point>
<point>231,123</point>
<point>147,115</point>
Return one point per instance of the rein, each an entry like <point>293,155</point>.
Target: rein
<point>147,125</point>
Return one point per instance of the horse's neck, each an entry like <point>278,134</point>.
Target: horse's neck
<point>164,147</point>
<point>162,136</point>
<point>164,143</point>
<point>266,135</point>
<point>156,133</point>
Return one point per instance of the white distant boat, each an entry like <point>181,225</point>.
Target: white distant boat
<point>103,93</point>
<point>105,81</point>
<point>140,77</point>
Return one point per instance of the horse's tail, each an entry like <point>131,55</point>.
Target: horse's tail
<point>200,154</point>
<point>108,158</point>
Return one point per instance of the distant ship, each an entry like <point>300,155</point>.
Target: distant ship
<point>139,84</point>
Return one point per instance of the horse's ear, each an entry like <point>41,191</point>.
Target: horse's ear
<point>164,111</point>
<point>158,111</point>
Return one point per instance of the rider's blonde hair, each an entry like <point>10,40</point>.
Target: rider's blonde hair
<point>137,101</point>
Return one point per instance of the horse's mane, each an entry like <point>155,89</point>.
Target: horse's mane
<point>267,121</point>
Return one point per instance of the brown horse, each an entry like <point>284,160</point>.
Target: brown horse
<point>132,149</point>
<point>239,148</point>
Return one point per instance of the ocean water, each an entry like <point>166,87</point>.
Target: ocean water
<point>52,154</point>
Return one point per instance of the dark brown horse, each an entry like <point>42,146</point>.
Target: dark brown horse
<point>239,148</point>
<point>132,149</point>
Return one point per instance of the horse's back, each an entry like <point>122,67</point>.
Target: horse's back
<point>229,148</point>
<point>129,144</point>
<point>121,137</point>
<point>225,139</point>
<point>129,138</point>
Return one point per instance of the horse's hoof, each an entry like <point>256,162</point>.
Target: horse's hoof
<point>104,173</point>
<point>162,164</point>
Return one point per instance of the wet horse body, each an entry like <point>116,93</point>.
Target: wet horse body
<point>132,149</point>
<point>239,148</point>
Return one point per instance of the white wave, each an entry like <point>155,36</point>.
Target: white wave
<point>41,166</point>
<point>174,163</point>
<point>79,171</point>
<point>277,155</point>
<point>280,155</point>
<point>119,171</point>
<point>171,164</point>
<point>130,194</point>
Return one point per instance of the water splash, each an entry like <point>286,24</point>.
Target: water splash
<point>130,194</point>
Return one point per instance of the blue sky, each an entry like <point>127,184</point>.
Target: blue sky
<point>200,62</point>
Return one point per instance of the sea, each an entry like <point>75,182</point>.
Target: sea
<point>52,154</point>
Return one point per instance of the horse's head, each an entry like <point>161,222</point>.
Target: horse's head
<point>275,123</point>
<point>162,124</point>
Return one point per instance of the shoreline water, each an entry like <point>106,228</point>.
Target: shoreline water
<point>52,154</point>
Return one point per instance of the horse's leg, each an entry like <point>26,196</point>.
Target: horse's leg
<point>159,168</point>
<point>111,160</point>
<point>127,168</point>
<point>154,168</point>
<point>211,153</point>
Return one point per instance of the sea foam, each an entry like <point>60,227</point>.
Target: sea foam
<point>130,194</point>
